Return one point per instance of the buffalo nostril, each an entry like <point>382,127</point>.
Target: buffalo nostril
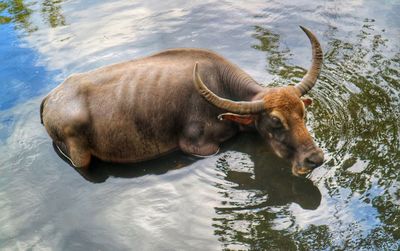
<point>314,160</point>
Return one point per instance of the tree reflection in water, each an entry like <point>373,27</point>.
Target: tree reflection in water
<point>355,118</point>
<point>20,13</point>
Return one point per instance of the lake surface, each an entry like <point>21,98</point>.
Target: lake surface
<point>242,198</point>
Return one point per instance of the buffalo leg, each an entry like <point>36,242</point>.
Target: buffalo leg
<point>79,153</point>
<point>198,149</point>
<point>196,140</point>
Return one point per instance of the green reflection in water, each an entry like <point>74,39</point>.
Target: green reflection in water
<point>20,14</point>
<point>366,128</point>
<point>355,117</point>
<point>52,13</point>
<point>276,56</point>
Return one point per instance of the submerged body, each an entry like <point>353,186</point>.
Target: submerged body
<point>137,110</point>
<point>144,108</point>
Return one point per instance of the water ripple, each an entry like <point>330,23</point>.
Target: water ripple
<point>244,197</point>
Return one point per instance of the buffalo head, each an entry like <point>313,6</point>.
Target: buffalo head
<point>278,115</point>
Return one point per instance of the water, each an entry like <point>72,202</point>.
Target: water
<point>242,198</point>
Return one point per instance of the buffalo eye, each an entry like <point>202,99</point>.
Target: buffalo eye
<point>276,122</point>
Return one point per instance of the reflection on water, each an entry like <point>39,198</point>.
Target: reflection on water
<point>52,13</point>
<point>256,190</point>
<point>20,14</point>
<point>99,171</point>
<point>242,198</point>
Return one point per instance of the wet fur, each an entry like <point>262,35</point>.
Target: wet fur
<point>145,108</point>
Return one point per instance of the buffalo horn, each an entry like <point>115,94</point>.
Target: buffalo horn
<point>310,78</point>
<point>239,107</point>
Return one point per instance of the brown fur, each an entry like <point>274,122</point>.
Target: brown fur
<point>142,109</point>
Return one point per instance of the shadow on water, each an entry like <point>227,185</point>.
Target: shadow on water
<point>247,216</point>
<point>99,171</point>
<point>271,174</point>
<point>352,202</point>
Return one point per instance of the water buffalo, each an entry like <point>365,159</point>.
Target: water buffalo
<point>145,108</point>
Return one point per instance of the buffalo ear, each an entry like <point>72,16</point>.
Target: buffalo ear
<point>306,101</point>
<point>241,119</point>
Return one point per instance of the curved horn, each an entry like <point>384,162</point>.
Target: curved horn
<point>241,107</point>
<point>310,78</point>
